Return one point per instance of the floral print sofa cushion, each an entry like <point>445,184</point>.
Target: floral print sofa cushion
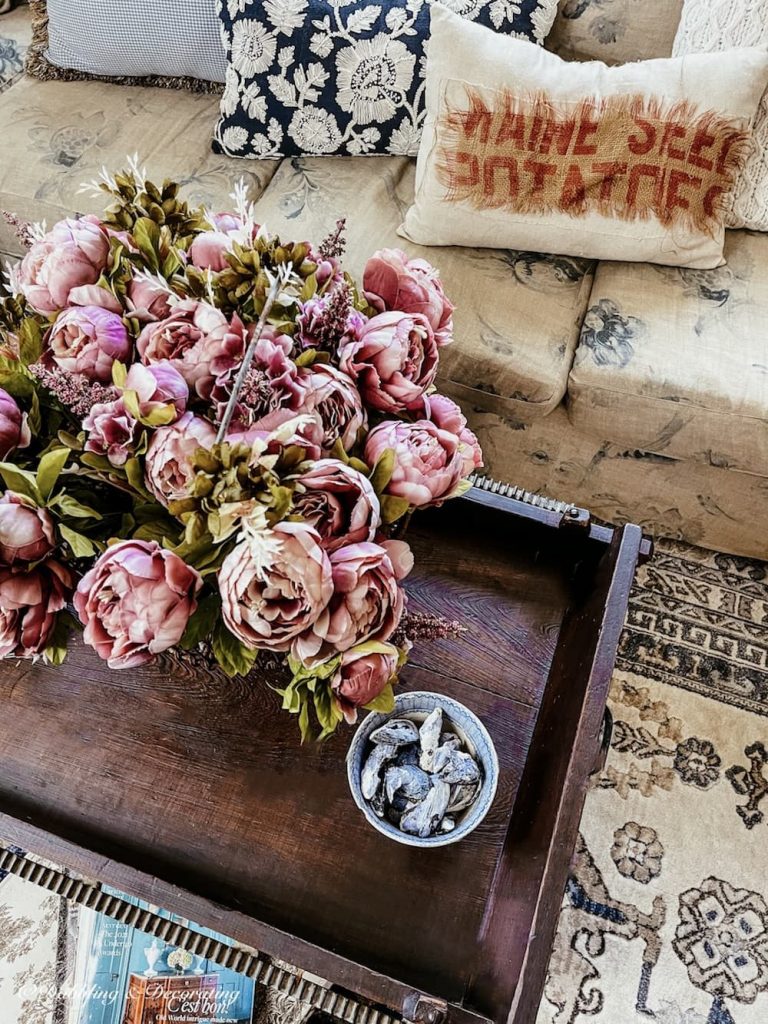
<point>68,132</point>
<point>669,361</point>
<point>615,31</point>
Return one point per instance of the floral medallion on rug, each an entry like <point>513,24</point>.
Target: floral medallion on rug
<point>665,917</point>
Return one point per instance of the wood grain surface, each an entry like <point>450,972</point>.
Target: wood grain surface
<point>176,773</point>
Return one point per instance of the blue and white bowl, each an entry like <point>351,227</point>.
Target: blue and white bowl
<point>465,723</point>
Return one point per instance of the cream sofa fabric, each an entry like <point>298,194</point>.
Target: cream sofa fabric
<point>676,362</point>
<point>701,504</point>
<point>517,314</point>
<point>615,31</point>
<point>57,135</point>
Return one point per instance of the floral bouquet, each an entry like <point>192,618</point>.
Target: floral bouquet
<point>211,440</point>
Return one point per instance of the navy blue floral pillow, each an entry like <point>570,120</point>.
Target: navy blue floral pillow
<point>339,76</point>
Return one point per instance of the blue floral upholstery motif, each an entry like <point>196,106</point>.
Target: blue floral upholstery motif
<point>339,76</point>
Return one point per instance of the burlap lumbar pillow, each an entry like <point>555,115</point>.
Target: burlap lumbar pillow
<point>712,25</point>
<point>521,150</point>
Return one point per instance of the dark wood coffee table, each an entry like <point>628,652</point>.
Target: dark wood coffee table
<point>191,791</point>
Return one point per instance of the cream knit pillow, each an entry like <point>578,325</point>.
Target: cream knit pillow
<point>524,151</point>
<point>708,25</point>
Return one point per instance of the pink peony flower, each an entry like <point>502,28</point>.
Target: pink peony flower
<point>111,431</point>
<point>209,249</point>
<point>429,464</point>
<point>29,604</point>
<point>283,429</point>
<point>167,471</point>
<point>191,338</point>
<point>447,415</point>
<point>362,674</point>
<point>135,602</point>
<point>392,281</point>
<point>147,300</point>
<point>72,254</point>
<point>27,532</point>
<point>339,502</point>
<point>272,382</point>
<point>272,595</point>
<point>87,340</point>
<point>14,429</point>
<point>94,295</point>
<point>334,398</point>
<point>329,322</point>
<point>158,388</point>
<point>367,603</point>
<point>393,360</point>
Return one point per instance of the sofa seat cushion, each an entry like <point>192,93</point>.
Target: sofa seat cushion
<point>675,362</point>
<point>62,133</point>
<point>517,314</point>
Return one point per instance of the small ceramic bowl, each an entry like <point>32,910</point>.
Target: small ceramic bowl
<point>417,706</point>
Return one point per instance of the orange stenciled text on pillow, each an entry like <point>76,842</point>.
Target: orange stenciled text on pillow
<point>630,157</point>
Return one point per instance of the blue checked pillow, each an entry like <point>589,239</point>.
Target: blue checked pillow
<point>339,76</point>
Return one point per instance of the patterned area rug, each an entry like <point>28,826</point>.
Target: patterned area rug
<point>665,917</point>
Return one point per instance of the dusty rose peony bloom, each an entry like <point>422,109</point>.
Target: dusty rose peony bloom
<point>393,360</point>
<point>282,429</point>
<point>334,397</point>
<point>191,337</point>
<point>367,601</point>
<point>272,595</point>
<point>272,382</point>
<point>72,254</point>
<point>135,602</point>
<point>362,674</point>
<point>29,603</point>
<point>429,464</point>
<point>94,295</point>
<point>447,415</point>
<point>209,249</point>
<point>14,429</point>
<point>112,431</point>
<point>147,301</point>
<point>27,533</point>
<point>392,281</point>
<point>87,340</point>
<point>157,387</point>
<point>339,502</point>
<point>167,470</point>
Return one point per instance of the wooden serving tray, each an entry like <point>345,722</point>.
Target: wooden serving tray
<point>191,791</point>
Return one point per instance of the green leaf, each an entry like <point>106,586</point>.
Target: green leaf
<point>30,341</point>
<point>16,384</point>
<point>69,506</point>
<point>82,547</point>
<point>146,235</point>
<point>234,657</point>
<point>385,702</point>
<point>202,622</point>
<point>383,470</point>
<point>49,470</point>
<point>393,508</point>
<point>119,373</point>
<point>56,651</point>
<point>72,442</point>
<point>21,481</point>
<point>135,475</point>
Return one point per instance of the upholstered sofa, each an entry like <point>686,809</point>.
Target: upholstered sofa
<point>638,391</point>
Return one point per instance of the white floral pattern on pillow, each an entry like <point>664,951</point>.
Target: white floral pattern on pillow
<point>339,76</point>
